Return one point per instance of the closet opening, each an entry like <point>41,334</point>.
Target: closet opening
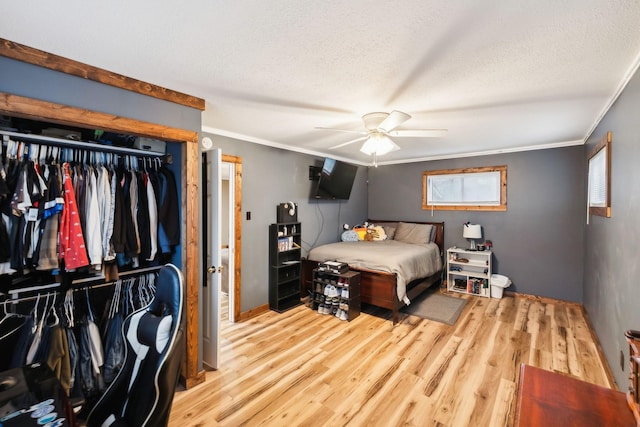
<point>125,196</point>
<point>14,109</point>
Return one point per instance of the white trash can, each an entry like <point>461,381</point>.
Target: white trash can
<point>498,283</point>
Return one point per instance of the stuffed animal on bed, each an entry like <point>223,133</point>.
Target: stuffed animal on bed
<point>350,236</point>
<point>368,232</point>
<point>378,233</point>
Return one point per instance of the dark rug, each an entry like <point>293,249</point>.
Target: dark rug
<point>433,305</point>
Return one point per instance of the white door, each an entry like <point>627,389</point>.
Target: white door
<point>211,291</point>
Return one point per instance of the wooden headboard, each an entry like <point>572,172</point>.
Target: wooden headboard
<point>438,225</point>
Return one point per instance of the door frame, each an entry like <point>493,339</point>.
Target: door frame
<point>237,223</point>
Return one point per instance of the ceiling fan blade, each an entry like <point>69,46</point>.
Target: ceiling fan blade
<point>393,120</point>
<point>342,130</point>
<point>418,133</point>
<point>348,142</point>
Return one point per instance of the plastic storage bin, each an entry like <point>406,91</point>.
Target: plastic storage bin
<point>498,283</point>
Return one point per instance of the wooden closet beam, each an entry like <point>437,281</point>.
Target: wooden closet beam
<point>58,63</point>
<point>30,108</point>
<point>14,105</point>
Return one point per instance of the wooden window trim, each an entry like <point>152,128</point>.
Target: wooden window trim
<point>604,143</point>
<point>503,189</point>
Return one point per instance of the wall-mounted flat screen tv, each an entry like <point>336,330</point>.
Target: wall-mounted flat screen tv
<point>335,181</point>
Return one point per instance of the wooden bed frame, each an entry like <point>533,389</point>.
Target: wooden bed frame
<point>378,288</point>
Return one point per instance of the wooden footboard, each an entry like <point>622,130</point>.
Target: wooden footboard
<point>380,289</point>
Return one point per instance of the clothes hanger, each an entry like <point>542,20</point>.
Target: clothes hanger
<point>145,294</point>
<point>115,300</point>
<point>34,314</point>
<point>152,282</point>
<point>53,312</point>
<point>89,309</point>
<point>132,305</point>
<point>6,313</point>
<point>69,308</point>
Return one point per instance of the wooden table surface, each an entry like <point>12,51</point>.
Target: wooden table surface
<point>549,399</point>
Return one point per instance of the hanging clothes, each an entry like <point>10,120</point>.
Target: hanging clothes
<point>57,355</point>
<point>5,246</point>
<point>143,217</point>
<point>153,218</point>
<point>47,251</point>
<point>23,343</point>
<point>169,212</point>
<point>106,205</point>
<point>37,187</point>
<point>20,202</point>
<point>72,246</point>
<point>92,218</point>
<point>67,208</point>
<point>114,347</point>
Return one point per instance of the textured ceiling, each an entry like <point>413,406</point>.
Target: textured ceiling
<point>500,75</point>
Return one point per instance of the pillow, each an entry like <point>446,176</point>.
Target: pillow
<point>413,233</point>
<point>389,231</point>
<point>349,236</point>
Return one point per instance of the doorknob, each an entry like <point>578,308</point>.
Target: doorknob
<point>212,269</point>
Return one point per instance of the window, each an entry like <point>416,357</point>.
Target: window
<point>599,185</point>
<point>471,189</point>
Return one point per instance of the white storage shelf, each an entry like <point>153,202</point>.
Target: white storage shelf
<point>472,276</point>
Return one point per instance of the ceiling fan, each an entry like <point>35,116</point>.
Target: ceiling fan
<point>379,128</point>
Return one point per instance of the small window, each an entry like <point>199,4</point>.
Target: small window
<point>471,189</point>
<point>599,185</point>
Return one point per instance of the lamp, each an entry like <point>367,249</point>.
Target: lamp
<point>472,232</point>
<point>378,144</point>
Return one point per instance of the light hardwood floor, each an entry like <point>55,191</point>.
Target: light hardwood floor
<point>303,368</point>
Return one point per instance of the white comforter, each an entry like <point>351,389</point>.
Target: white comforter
<point>407,260</point>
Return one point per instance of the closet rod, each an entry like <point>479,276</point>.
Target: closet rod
<point>15,300</point>
<point>120,274</point>
<point>83,145</point>
<point>16,292</point>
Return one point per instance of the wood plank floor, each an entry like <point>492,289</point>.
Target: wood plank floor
<point>303,368</point>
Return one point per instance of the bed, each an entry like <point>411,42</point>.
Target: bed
<point>392,272</point>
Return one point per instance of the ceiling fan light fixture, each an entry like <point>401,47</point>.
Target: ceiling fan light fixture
<point>378,144</point>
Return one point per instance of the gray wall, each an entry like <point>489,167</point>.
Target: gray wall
<point>612,264</point>
<point>537,241</point>
<point>271,176</point>
<point>29,80</point>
